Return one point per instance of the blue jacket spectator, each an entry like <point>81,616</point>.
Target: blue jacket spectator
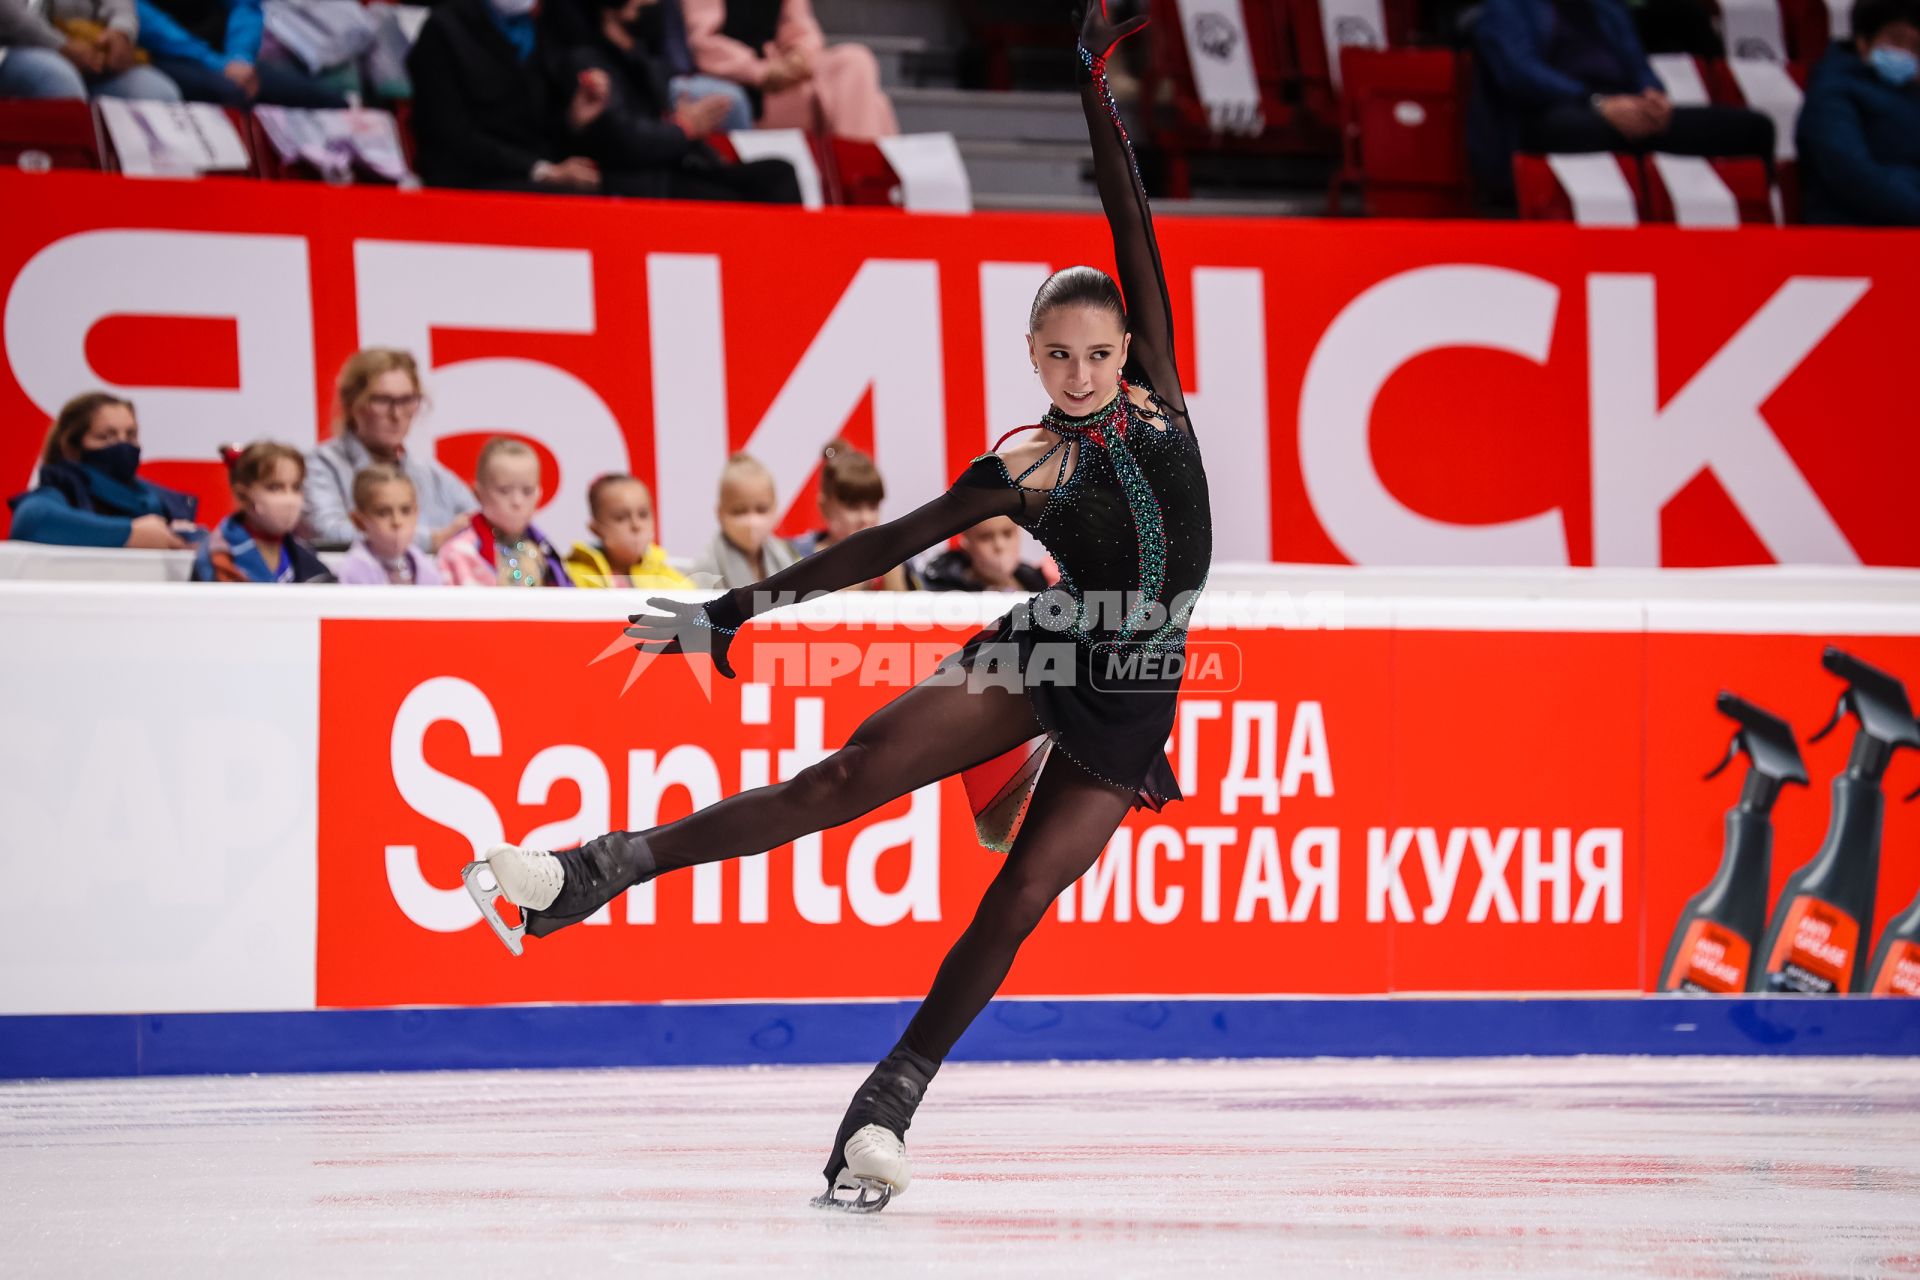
<point>1571,75</point>
<point>1859,131</point>
<point>211,49</point>
<point>89,493</point>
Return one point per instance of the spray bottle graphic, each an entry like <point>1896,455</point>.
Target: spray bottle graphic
<point>1719,929</point>
<point>1817,943</point>
<point>1895,970</point>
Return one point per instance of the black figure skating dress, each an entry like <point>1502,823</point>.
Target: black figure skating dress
<point>1120,500</point>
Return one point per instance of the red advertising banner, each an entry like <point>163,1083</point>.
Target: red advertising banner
<point>1370,392</point>
<point>1368,811</point>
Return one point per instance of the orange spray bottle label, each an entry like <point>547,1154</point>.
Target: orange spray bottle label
<point>1814,952</point>
<point>1900,975</point>
<point>1710,958</point>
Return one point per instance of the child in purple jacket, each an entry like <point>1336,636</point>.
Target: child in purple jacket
<point>386,511</point>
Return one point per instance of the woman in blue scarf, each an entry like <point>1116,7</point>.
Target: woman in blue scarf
<point>90,494</point>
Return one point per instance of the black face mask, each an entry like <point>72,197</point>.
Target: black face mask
<point>116,461</point>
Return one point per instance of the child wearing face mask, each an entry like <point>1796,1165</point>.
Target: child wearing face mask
<point>746,548</point>
<point>851,492</point>
<point>90,494</point>
<point>386,511</point>
<point>500,547</point>
<point>256,542</point>
<point>624,553</point>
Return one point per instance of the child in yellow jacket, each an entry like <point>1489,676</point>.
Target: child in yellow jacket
<point>625,554</point>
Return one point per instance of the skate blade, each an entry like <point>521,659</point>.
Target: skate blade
<point>874,1196</point>
<point>487,901</point>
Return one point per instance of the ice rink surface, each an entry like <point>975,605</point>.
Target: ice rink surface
<point>1594,1166</point>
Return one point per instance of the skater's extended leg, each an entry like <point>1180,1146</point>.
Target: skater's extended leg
<point>938,727</point>
<point>930,731</point>
<point>1068,822</point>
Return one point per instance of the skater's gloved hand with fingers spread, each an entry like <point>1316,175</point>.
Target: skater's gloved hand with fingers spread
<point>680,627</point>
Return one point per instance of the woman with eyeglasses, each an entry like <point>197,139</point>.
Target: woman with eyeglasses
<point>376,400</point>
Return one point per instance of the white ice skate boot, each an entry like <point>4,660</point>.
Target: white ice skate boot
<point>869,1155</point>
<point>876,1169</point>
<point>527,878</point>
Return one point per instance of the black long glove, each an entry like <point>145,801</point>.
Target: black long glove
<point>680,627</point>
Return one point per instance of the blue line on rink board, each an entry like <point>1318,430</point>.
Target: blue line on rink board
<point>616,1035</point>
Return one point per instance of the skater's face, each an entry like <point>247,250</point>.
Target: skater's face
<point>509,492</point>
<point>384,413</point>
<point>1079,352</point>
<point>847,518</point>
<point>388,519</point>
<point>994,548</point>
<point>746,512</point>
<point>623,521</point>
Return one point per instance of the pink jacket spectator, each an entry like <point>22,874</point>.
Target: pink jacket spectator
<point>467,559</point>
<point>843,96</point>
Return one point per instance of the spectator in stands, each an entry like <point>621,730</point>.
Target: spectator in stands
<point>211,49</point>
<point>69,48</point>
<point>1570,75</point>
<point>502,103</point>
<point>851,492</point>
<point>1859,132</point>
<point>652,34</point>
<point>652,127</point>
<point>987,559</point>
<point>386,510</point>
<point>376,399</point>
<point>500,546</point>
<point>746,548</point>
<point>90,493</point>
<point>777,50</point>
<point>256,543</point>
<point>623,553</point>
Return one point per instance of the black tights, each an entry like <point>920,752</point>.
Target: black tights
<point>931,731</point>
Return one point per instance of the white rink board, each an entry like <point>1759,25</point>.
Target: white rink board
<point>160,742</point>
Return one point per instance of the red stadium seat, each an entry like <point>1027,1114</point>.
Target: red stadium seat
<point>1182,129</point>
<point>1806,26</point>
<point>1314,59</point>
<point>51,135</point>
<point>862,176</point>
<point>1404,142</point>
<point>1744,177</point>
<point>1541,198</point>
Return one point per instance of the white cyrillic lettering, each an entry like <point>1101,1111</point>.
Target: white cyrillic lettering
<point>1320,878</point>
<point>1383,874</point>
<point>1644,453</point>
<point>1597,861</point>
<point>1253,766</point>
<point>1494,893</point>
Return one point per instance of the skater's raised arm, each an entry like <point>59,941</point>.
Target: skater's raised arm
<point>1149,312</point>
<point>858,557</point>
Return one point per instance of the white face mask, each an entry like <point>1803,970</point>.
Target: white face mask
<point>513,8</point>
<point>274,514</point>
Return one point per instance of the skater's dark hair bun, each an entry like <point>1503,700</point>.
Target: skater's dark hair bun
<point>1077,287</point>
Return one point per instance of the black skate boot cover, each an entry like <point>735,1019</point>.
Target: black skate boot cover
<point>596,873</point>
<point>888,1097</point>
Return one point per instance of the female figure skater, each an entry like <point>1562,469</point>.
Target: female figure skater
<point>1114,487</point>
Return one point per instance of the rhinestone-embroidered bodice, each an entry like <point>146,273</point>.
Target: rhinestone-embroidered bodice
<point>1126,517</point>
